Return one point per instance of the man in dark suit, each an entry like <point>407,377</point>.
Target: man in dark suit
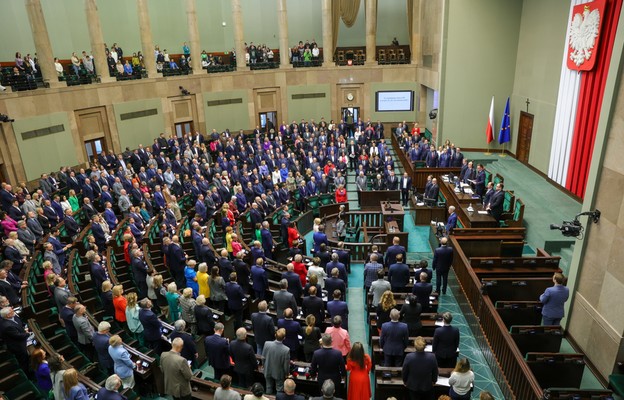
<point>267,240</point>
<point>420,372</point>
<point>218,351</point>
<point>458,158</point>
<point>139,271</point>
<point>398,274</point>
<point>338,307</point>
<point>67,315</point>
<point>289,391</point>
<point>442,261</point>
<point>314,305</point>
<point>488,193</point>
<point>259,279</point>
<point>204,317</point>
<point>189,349</point>
<point>206,255</point>
<point>422,290</point>
<point>334,283</point>
<point>7,290</point>
<point>110,390</point>
<point>294,282</point>
<point>152,328</point>
<point>236,299</point>
<point>100,342</point>
<point>393,250</point>
<point>14,335</point>
<point>394,340</point>
<point>405,185</point>
<point>327,363</point>
<point>244,359</point>
<point>293,331</point>
<point>98,273</point>
<point>71,226</point>
<point>434,191</point>
<point>263,326</point>
<point>225,265</point>
<point>342,269</point>
<point>392,182</point>
<point>177,262</point>
<point>480,181</point>
<point>446,342</point>
<point>495,206</point>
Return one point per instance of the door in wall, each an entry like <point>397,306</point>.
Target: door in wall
<point>94,147</point>
<point>268,120</point>
<point>183,128</point>
<point>525,131</point>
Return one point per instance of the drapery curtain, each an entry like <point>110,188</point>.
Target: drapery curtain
<point>335,26</point>
<point>349,11</point>
<point>410,18</point>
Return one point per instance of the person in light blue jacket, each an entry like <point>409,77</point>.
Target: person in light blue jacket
<point>553,300</point>
<point>124,367</point>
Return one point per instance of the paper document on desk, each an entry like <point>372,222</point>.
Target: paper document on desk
<point>429,348</point>
<point>420,204</point>
<point>439,323</point>
<point>442,381</point>
<point>465,184</point>
<point>468,191</point>
<point>445,178</point>
<point>483,212</point>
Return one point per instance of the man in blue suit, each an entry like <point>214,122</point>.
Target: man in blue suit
<point>420,372</point>
<point>398,274</point>
<point>267,240</point>
<point>451,222</point>
<point>218,352</point>
<point>446,342</point>
<point>319,237</point>
<point>200,207</point>
<point>256,251</point>
<point>152,327</point>
<point>59,248</point>
<point>311,187</point>
<point>393,250</point>
<point>338,307</point>
<point>496,204</point>
<point>553,300</point>
<point>334,283</point>
<point>293,331</point>
<point>110,217</point>
<point>71,226</point>
<point>442,261</point>
<point>342,270</point>
<point>394,340</point>
<point>259,279</point>
<point>327,363</point>
<point>100,342</point>
<point>98,232</point>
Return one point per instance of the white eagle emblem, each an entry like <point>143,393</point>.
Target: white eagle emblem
<point>583,33</point>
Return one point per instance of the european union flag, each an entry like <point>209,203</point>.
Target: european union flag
<point>504,134</point>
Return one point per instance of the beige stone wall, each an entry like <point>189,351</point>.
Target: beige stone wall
<point>596,320</point>
<point>67,100</point>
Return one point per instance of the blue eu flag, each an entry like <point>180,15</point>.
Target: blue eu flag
<point>504,135</point>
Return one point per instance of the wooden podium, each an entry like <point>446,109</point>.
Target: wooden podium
<point>393,212</point>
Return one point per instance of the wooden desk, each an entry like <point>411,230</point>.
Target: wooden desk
<point>393,211</point>
<point>463,198</point>
<point>371,198</point>
<point>468,220</point>
<point>423,215</point>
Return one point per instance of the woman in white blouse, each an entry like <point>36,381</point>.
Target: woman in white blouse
<point>461,380</point>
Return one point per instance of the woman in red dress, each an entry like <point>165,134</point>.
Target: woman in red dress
<point>341,194</point>
<point>293,235</point>
<point>359,364</point>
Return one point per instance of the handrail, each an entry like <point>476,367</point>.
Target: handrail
<point>515,377</point>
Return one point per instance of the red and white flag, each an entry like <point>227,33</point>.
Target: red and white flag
<point>489,132</point>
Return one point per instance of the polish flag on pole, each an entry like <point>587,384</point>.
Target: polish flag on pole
<point>489,133</point>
